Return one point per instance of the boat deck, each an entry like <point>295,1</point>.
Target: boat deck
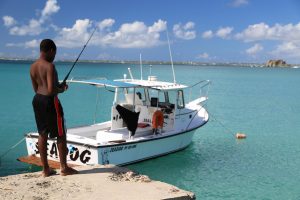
<point>101,133</point>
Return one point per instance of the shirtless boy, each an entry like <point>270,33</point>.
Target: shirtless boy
<point>47,108</point>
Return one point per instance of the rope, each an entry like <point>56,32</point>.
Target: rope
<point>11,148</point>
<point>220,123</point>
<point>194,116</point>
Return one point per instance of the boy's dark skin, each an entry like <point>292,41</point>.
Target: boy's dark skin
<point>44,81</point>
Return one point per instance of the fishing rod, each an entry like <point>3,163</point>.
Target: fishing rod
<point>67,76</point>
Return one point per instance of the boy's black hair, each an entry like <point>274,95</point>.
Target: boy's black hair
<point>46,45</point>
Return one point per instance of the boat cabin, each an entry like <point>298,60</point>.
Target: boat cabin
<point>146,98</point>
<point>142,109</point>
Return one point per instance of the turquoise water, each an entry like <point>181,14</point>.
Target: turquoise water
<point>261,102</point>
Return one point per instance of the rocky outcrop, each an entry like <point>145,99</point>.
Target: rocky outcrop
<point>276,63</point>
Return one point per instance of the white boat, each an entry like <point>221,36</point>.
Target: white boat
<point>140,104</point>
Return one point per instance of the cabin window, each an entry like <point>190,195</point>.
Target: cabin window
<point>180,99</point>
<point>141,94</point>
<point>153,97</point>
<point>121,95</point>
<point>153,93</point>
<point>138,94</point>
<point>158,98</point>
<point>166,97</point>
<point>161,97</point>
<point>172,97</point>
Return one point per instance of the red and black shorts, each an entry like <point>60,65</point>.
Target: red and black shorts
<point>49,115</point>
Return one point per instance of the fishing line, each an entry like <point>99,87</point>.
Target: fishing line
<point>67,76</point>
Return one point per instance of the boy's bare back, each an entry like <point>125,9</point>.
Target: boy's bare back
<point>41,73</point>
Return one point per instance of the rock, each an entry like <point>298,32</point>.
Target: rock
<point>276,63</point>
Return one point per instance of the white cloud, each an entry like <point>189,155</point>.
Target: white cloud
<point>9,21</point>
<point>129,35</point>
<point>262,31</point>
<point>254,32</point>
<point>203,56</point>
<point>186,31</point>
<point>32,44</point>
<point>207,34</point>
<point>50,8</point>
<point>158,26</point>
<point>135,27</point>
<point>224,33</point>
<point>288,50</point>
<point>75,36</point>
<point>34,26</point>
<point>288,46</point>
<point>287,34</point>
<point>134,35</point>
<point>106,23</point>
<point>238,3</point>
<point>29,44</point>
<point>254,49</point>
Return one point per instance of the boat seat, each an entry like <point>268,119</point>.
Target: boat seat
<point>143,125</point>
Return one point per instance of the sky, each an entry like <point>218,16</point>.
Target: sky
<point>198,30</point>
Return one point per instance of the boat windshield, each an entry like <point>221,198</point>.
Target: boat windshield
<point>136,96</point>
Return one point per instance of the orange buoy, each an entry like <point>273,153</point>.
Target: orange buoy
<point>240,136</point>
<point>157,119</point>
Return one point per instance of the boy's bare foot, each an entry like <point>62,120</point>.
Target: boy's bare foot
<point>48,172</point>
<point>68,171</point>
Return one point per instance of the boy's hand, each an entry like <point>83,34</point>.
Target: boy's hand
<point>63,86</point>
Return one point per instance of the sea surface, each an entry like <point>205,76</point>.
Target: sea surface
<point>263,103</point>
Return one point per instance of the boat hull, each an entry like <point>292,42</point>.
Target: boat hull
<point>117,154</point>
<point>137,151</point>
<point>78,154</point>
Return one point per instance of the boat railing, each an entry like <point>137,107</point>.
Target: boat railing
<point>203,86</point>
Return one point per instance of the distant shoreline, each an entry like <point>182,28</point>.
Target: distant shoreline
<point>16,60</point>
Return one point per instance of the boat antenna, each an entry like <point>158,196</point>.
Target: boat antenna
<point>141,66</point>
<point>67,76</point>
<point>130,74</point>
<point>171,57</point>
